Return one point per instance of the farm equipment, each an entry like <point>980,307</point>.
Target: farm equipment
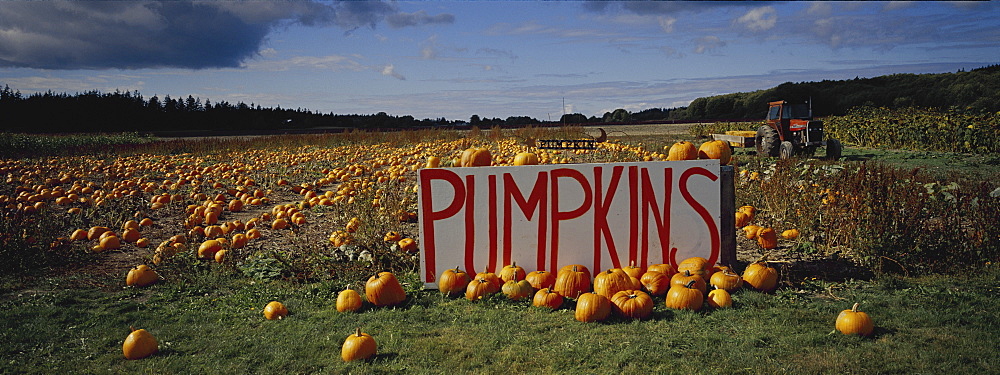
<point>790,131</point>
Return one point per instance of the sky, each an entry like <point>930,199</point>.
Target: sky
<point>455,59</point>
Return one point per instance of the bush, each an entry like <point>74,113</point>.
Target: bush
<point>918,129</point>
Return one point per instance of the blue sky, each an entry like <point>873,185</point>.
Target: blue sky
<point>436,59</point>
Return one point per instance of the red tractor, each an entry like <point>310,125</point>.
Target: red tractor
<point>791,131</point>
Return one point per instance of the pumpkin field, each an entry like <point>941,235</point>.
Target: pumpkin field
<point>298,254</point>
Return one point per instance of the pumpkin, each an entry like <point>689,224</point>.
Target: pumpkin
<point>656,283</point>
<point>517,290</point>
<point>751,231</point>
<point>408,245</point>
<point>715,150</point>
<point>78,235</point>
<point>453,281</point>
<point>348,300</point>
<point>748,210</point>
<point>685,297</point>
<point>541,279</point>
<point>697,266</point>
<point>384,289</point>
<point>139,344</point>
<point>433,162</point>
<point>579,267</point>
<point>111,242</point>
<point>680,279</point>
<point>392,236</point>
<point>572,282</point>
<point>141,276</point>
<point>612,281</point>
<point>719,298</point>
<point>665,268</point>
<point>633,270</point>
<point>790,234</point>
<point>592,307</point>
<point>275,310</point>
<point>632,304</point>
<point>525,158</point>
<point>767,238</point>
<point>221,255</point>
<point>682,150</point>
<point>511,272</point>
<point>742,219</point>
<point>480,288</point>
<point>854,322</point>
<point>131,235</point>
<point>546,297</point>
<point>760,276</point>
<point>358,346</point>
<point>727,280</point>
<point>492,278</point>
<point>208,249</point>
<point>239,241</point>
<point>476,157</point>
<point>96,232</point>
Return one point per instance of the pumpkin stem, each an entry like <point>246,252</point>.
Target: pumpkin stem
<point>687,273</point>
<point>855,308</point>
<point>690,284</point>
<point>358,332</point>
<point>131,328</point>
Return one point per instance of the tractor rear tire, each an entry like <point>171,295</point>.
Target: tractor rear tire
<point>786,150</point>
<point>833,149</point>
<point>766,141</point>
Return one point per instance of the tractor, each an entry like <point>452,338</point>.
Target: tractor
<point>791,131</point>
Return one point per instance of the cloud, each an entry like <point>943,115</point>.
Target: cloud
<point>708,43</point>
<point>400,20</point>
<point>179,34</point>
<point>759,19</point>
<point>390,70</point>
<point>667,24</point>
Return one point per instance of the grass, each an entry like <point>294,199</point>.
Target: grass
<point>211,323</point>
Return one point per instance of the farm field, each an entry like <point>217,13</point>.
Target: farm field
<point>910,235</point>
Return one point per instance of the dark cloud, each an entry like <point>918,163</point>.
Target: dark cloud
<point>182,34</point>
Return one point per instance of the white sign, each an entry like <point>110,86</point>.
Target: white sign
<point>546,216</point>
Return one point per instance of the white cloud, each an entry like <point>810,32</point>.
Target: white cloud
<point>667,24</point>
<point>708,43</point>
<point>390,70</point>
<point>759,19</point>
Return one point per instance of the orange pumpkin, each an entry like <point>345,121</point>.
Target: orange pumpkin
<point>141,276</point>
<point>854,322</point>
<point>760,276</point>
<point>572,282</point>
<point>685,297</point>
<point>453,281</point>
<point>592,307</point>
<point>716,150</point>
<point>682,150</point>
<point>384,289</point>
<point>525,158</point>
<point>348,300</point>
<point>139,344</point>
<point>546,297</point>
<point>358,346</point>
<point>767,238</point>
<point>275,310</point>
<point>632,304</point>
<point>541,279</point>
<point>476,157</point>
<point>511,272</point>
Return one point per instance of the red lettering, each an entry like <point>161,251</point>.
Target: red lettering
<point>660,217</point>
<point>601,208</point>
<point>713,229</point>
<point>429,215</point>
<point>537,200</point>
<point>492,203</point>
<point>557,215</point>
<point>633,211</point>
<point>470,223</point>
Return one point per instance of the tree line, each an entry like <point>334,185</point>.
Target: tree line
<point>120,111</point>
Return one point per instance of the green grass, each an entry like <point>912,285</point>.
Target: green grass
<point>212,323</point>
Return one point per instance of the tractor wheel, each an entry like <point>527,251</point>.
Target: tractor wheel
<point>766,141</point>
<point>786,150</point>
<point>833,149</point>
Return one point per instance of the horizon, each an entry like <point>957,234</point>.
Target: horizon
<point>436,59</point>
